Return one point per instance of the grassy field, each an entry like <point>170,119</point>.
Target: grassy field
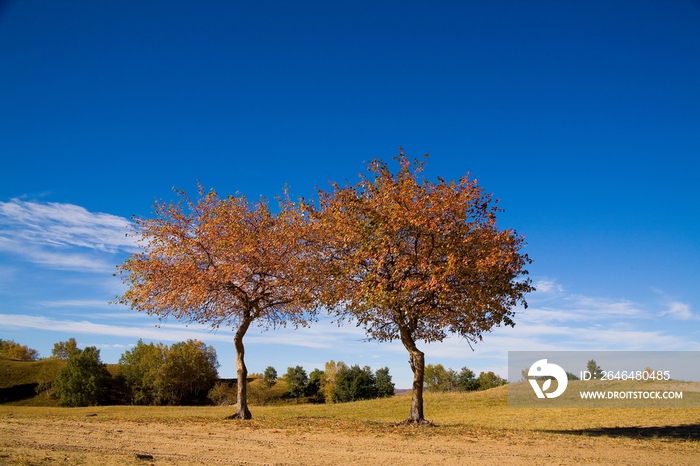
<point>366,432</point>
<point>478,426</point>
<point>487,410</point>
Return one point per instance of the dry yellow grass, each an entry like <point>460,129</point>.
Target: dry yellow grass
<point>479,427</point>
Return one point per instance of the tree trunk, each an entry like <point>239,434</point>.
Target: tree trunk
<point>242,411</point>
<point>417,362</point>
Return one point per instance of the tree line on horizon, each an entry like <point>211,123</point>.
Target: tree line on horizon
<point>186,373</point>
<point>438,379</point>
<point>13,350</point>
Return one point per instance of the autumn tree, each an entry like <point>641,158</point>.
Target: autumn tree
<point>11,349</point>
<point>329,379</point>
<point>222,262</point>
<point>415,260</point>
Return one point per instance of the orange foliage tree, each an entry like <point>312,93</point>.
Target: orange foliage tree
<point>222,262</point>
<point>415,260</point>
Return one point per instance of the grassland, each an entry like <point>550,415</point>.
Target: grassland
<point>468,426</point>
<point>476,427</point>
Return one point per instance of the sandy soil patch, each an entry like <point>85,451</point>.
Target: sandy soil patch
<point>118,442</point>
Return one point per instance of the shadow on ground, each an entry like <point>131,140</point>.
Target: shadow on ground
<point>681,432</point>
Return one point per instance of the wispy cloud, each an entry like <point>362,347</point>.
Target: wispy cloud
<point>674,308</point>
<point>62,236</point>
<point>680,311</point>
<point>77,303</point>
<point>313,337</point>
<point>568,321</point>
<point>117,346</point>
<point>84,327</point>
<point>547,286</point>
<point>54,259</point>
<point>576,308</point>
<point>57,224</point>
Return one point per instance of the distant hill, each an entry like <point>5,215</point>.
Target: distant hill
<point>21,382</point>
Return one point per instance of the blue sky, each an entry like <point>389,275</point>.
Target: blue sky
<point>583,118</point>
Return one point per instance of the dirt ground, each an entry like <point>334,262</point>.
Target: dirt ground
<point>92,440</point>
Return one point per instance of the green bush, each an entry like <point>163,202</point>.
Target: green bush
<point>158,374</point>
<point>467,381</point>
<point>490,380</point>
<point>355,384</point>
<point>384,385</point>
<point>223,394</point>
<point>313,388</point>
<point>297,380</point>
<point>83,380</point>
<point>140,369</point>
<point>329,379</point>
<point>190,369</point>
<point>270,376</point>
<point>438,379</point>
<point>259,393</point>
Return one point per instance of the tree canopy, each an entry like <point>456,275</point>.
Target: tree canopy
<point>407,258</point>
<point>63,349</point>
<point>11,349</point>
<point>158,374</point>
<point>222,262</point>
<point>297,380</point>
<point>83,381</point>
<point>415,260</point>
<point>270,376</point>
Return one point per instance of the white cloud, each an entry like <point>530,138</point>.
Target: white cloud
<point>572,322</point>
<point>317,336</point>
<point>21,321</point>
<point>52,259</point>
<point>76,303</point>
<point>546,286</point>
<point>680,311</point>
<point>108,346</point>
<point>59,225</point>
<point>576,308</point>
<point>62,236</point>
<point>604,308</point>
<point>675,309</point>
